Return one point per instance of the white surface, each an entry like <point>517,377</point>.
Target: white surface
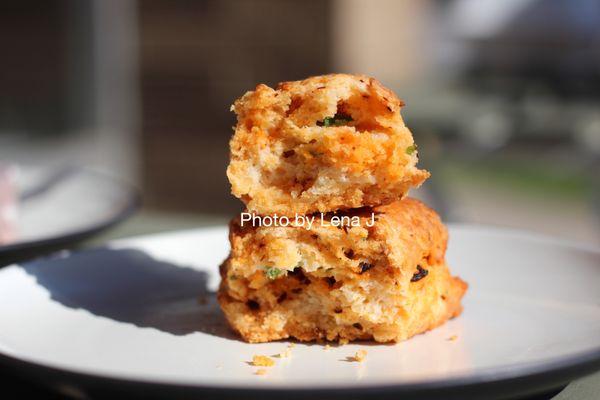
<point>132,311</point>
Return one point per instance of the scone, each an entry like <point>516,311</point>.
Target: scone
<point>386,282</point>
<point>322,144</point>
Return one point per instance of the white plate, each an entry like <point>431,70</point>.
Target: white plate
<point>130,312</point>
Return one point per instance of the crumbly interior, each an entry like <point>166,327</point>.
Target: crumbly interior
<point>387,282</point>
<point>306,307</point>
<point>322,144</point>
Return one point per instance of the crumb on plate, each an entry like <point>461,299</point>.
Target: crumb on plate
<point>359,356</point>
<point>285,353</point>
<point>262,361</point>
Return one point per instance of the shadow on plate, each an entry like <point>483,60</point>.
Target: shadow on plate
<point>130,286</point>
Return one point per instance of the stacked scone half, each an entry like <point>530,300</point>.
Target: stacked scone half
<point>350,257</point>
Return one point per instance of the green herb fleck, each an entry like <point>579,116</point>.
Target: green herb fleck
<point>411,149</point>
<point>233,277</point>
<point>337,120</point>
<point>272,272</point>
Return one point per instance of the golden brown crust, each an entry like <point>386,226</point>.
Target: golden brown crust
<point>308,315</point>
<point>283,160</point>
<point>404,233</point>
<point>330,280</point>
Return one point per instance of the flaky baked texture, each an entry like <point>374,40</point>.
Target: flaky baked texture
<point>321,144</point>
<point>387,282</point>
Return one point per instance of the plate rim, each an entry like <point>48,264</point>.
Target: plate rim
<point>516,379</point>
<point>521,380</point>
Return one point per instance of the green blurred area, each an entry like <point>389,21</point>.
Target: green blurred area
<point>531,177</point>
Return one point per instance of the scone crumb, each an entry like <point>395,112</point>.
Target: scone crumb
<point>286,353</point>
<point>261,371</point>
<point>327,347</point>
<point>291,345</point>
<point>452,338</point>
<point>262,361</point>
<point>343,341</point>
<point>360,355</point>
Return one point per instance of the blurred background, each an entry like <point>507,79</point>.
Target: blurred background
<point>503,97</point>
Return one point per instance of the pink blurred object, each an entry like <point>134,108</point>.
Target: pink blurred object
<point>8,204</point>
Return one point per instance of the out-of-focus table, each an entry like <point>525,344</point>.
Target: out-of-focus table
<point>147,222</point>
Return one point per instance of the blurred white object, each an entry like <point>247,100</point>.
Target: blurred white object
<point>587,132</point>
<point>484,18</point>
<point>489,127</point>
<point>58,206</point>
<point>8,203</point>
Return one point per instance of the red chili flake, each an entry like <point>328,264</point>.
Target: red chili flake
<point>282,297</point>
<point>420,274</point>
<point>253,305</point>
<point>298,274</point>
<point>364,267</point>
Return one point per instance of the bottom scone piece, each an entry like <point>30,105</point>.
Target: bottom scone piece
<point>385,282</point>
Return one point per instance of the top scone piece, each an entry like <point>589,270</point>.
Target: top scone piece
<point>321,144</point>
